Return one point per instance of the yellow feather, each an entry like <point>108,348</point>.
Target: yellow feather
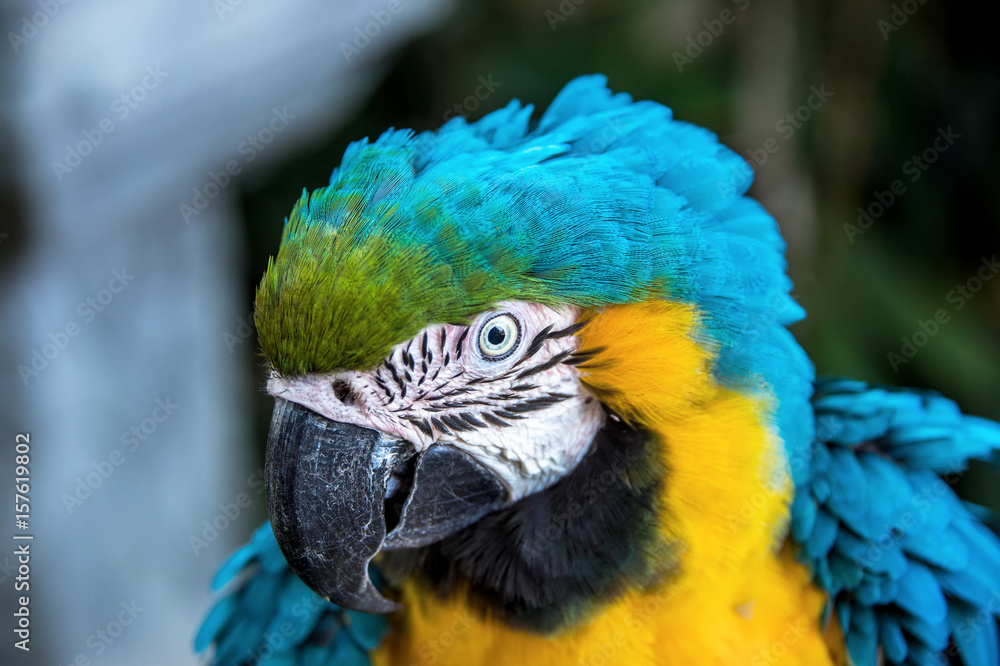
<point>737,597</point>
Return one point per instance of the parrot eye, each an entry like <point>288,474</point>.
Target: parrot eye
<point>498,337</point>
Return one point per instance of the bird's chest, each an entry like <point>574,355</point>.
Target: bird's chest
<point>666,626</point>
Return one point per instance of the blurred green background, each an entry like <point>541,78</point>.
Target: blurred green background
<point>891,80</point>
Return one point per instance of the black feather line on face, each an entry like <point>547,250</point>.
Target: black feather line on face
<point>436,422</point>
<point>385,389</point>
<point>583,355</point>
<point>461,339</point>
<point>536,344</point>
<point>508,415</point>
<point>545,334</point>
<point>392,373</point>
<point>455,423</point>
<point>471,419</point>
<point>572,329</point>
<point>489,418</point>
<point>542,367</point>
<point>423,425</point>
<point>547,561</point>
<point>536,403</point>
<point>464,403</point>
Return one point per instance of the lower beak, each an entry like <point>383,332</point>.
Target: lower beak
<point>327,494</point>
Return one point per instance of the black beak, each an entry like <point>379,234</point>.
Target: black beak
<point>327,494</point>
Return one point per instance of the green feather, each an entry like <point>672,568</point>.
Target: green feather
<point>340,296</point>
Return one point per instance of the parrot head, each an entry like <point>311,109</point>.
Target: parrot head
<point>463,332</point>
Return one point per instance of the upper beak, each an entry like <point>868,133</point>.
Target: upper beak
<point>327,493</point>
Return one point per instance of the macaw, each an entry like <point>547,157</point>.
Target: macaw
<point>536,402</point>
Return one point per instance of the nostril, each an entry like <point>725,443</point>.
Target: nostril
<point>342,391</point>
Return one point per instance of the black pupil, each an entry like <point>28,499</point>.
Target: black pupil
<point>496,335</point>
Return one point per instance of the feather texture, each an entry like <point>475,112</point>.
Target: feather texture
<point>273,619</point>
<point>907,565</point>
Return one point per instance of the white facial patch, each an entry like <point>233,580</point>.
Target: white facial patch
<point>505,389</point>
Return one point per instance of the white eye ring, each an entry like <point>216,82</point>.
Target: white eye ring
<point>499,336</point>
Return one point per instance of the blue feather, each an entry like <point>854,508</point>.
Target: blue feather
<point>909,557</point>
<point>891,638</point>
<point>823,536</point>
<point>862,640</point>
<point>920,594</point>
<point>274,619</point>
<point>975,633</point>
